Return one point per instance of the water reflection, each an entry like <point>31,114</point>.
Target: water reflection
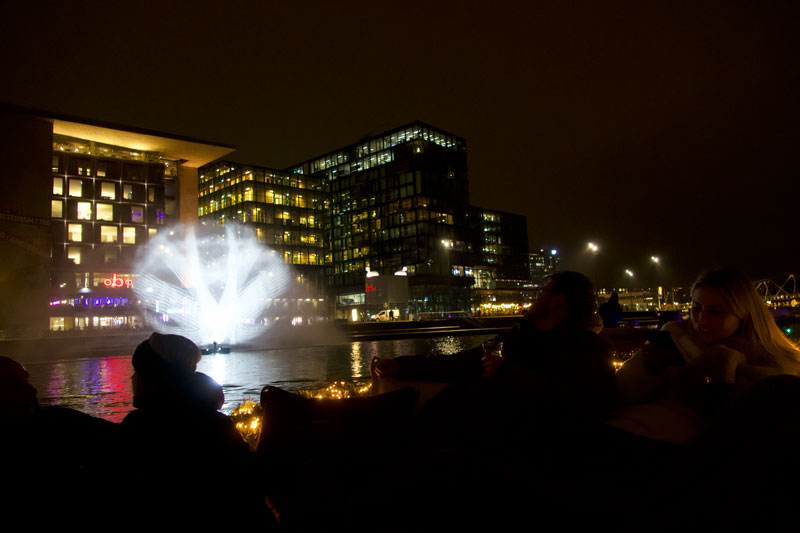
<point>101,386</point>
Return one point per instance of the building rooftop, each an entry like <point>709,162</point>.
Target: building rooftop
<point>193,152</point>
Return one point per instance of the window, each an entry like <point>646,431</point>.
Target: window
<point>129,235</point>
<point>105,212</point>
<point>137,214</point>
<point>127,192</point>
<point>108,234</point>
<point>58,186</point>
<point>151,194</point>
<point>101,169</point>
<point>76,188</point>
<point>56,208</point>
<point>110,256</point>
<point>84,211</point>
<point>75,232</point>
<point>152,232</point>
<point>108,190</point>
<point>160,215</point>
<point>74,254</point>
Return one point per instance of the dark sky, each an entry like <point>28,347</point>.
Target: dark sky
<point>666,128</point>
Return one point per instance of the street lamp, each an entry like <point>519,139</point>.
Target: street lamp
<point>629,273</point>
<point>595,250</point>
<point>448,246</point>
<point>657,261</point>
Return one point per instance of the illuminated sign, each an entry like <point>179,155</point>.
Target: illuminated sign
<point>370,287</point>
<point>116,282</point>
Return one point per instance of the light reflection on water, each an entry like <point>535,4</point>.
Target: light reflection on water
<point>101,386</point>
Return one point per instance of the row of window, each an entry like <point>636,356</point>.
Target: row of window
<point>107,190</point>
<point>214,179</point>
<point>81,165</point>
<point>231,197</point>
<point>102,212</point>
<point>107,234</point>
<point>390,140</point>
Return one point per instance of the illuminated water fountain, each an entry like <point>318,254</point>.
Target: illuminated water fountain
<point>211,286</point>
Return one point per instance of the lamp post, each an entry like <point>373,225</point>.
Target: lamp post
<point>448,245</point>
<point>629,273</point>
<point>594,249</point>
<point>657,261</point>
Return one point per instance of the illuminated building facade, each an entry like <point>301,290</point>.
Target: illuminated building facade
<point>400,200</point>
<point>286,211</point>
<point>99,195</point>
<point>542,264</point>
<point>501,277</point>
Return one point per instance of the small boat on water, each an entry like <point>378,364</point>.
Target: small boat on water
<point>215,348</point>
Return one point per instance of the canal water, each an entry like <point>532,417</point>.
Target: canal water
<point>101,386</point>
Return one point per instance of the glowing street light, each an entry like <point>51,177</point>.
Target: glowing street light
<point>629,272</point>
<point>593,247</point>
<point>655,259</point>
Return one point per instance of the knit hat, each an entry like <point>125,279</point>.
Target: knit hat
<point>165,375</point>
<point>165,357</point>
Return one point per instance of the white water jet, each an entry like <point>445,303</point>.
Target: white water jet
<point>211,286</point>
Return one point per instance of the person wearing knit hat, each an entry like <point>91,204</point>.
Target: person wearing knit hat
<point>178,446</point>
<point>165,374</point>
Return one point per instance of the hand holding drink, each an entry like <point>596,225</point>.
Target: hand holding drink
<point>492,357</point>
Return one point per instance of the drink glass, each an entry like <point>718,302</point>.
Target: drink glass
<point>493,348</point>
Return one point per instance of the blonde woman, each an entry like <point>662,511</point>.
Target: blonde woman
<point>730,342</point>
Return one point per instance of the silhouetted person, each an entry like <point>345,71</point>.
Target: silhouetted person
<point>184,453</point>
<point>483,437</point>
<point>610,311</point>
<point>54,459</point>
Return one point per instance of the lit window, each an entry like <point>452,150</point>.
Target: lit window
<point>137,214</point>
<point>58,186</point>
<point>127,192</point>
<point>84,211</point>
<point>74,254</point>
<point>75,232</point>
<point>105,212</point>
<point>76,188</point>
<point>152,232</point>
<point>108,190</point>
<point>151,194</point>
<point>108,234</point>
<point>129,235</point>
<point>56,208</point>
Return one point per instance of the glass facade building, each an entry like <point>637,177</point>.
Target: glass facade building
<point>400,201</point>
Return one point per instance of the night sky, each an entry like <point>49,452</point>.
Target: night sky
<point>652,128</point>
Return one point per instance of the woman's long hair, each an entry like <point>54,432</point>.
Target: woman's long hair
<point>757,326</point>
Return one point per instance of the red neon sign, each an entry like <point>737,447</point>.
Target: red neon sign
<point>117,283</point>
<point>370,287</point>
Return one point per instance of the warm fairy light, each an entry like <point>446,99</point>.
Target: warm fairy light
<point>247,418</point>
<point>339,390</point>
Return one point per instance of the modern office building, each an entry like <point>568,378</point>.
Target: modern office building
<point>287,213</point>
<point>399,203</point>
<point>83,198</point>
<point>542,263</point>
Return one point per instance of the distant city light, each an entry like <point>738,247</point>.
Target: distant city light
<point>629,272</point>
<point>593,247</point>
<point>655,259</point>
<point>553,252</point>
